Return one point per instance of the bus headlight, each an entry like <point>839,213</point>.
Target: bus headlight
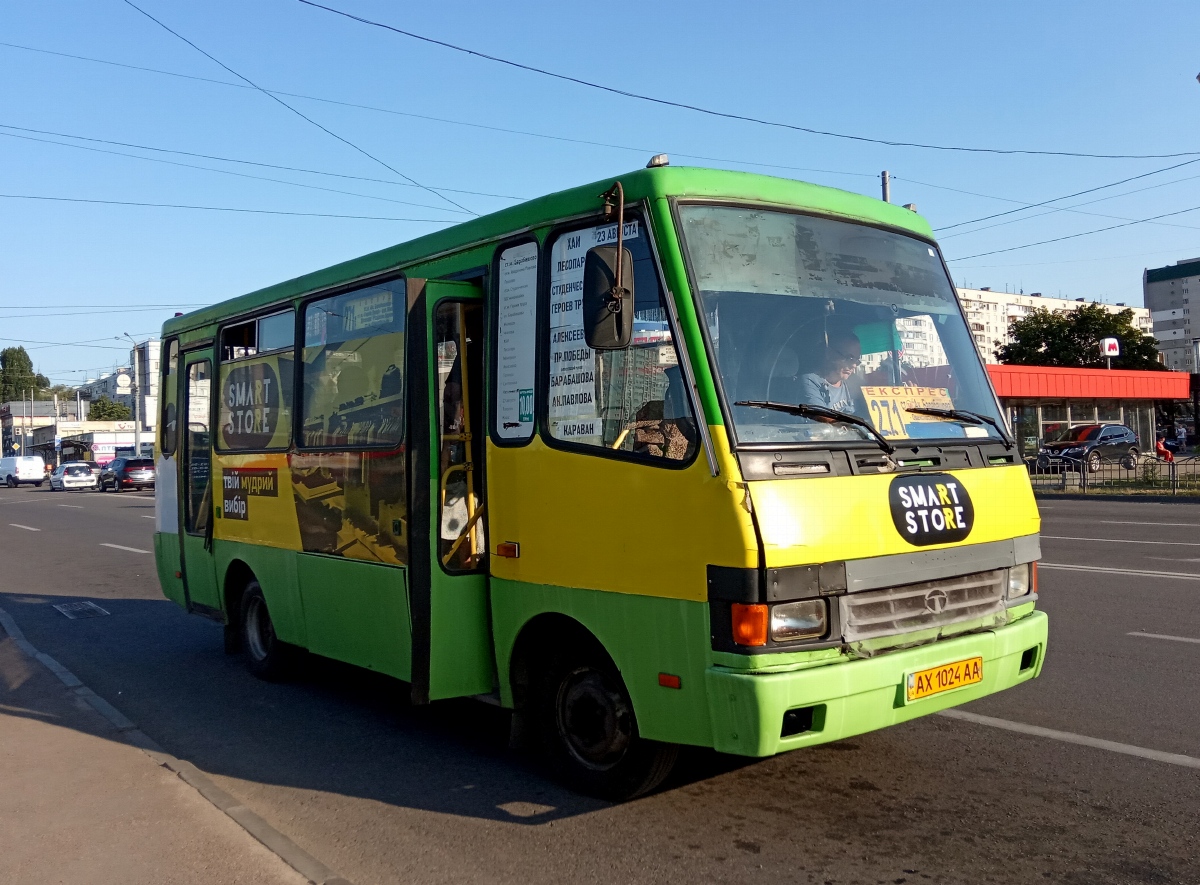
<point>1020,579</point>
<point>798,620</point>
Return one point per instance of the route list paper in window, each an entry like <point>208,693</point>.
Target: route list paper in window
<point>516,328</point>
<point>572,363</point>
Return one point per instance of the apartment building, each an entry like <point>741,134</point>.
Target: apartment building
<point>119,385</point>
<point>1167,293</point>
<point>988,315</point>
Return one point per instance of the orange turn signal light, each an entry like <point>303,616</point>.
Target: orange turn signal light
<point>1033,587</point>
<point>749,624</point>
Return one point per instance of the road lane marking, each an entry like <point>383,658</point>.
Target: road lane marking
<point>72,506</point>
<point>144,516</point>
<point>1139,573</point>
<point>1180,525</point>
<point>1068,737</point>
<point>1163,636</point>
<point>1123,541</point>
<point>28,528</point>
<point>120,547</point>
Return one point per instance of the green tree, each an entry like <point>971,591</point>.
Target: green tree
<point>1073,340</point>
<point>105,409</point>
<point>16,374</point>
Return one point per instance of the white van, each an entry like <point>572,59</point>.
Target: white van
<point>27,468</point>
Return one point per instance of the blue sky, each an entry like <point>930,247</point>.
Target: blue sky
<point>1076,77</point>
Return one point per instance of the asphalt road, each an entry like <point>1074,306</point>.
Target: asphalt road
<point>382,792</point>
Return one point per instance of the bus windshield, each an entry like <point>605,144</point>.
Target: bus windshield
<point>801,309</point>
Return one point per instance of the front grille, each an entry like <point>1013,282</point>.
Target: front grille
<point>876,613</point>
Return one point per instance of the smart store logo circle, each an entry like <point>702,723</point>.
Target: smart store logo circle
<point>932,508</point>
<point>250,406</point>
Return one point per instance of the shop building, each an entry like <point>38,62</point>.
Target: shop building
<point>1040,401</point>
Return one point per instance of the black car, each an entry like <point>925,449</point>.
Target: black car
<point>127,473</point>
<point>1090,444</point>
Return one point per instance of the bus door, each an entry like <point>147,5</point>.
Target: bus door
<point>452,644</point>
<point>196,483</point>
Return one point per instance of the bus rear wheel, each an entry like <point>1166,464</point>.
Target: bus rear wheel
<point>587,725</point>
<point>267,656</point>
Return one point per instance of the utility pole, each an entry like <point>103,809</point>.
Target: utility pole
<point>137,411</point>
<point>887,186</point>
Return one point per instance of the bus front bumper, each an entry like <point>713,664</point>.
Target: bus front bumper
<point>839,700</point>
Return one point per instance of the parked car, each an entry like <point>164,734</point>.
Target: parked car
<point>1090,444</point>
<point>18,469</point>
<point>72,475</point>
<point>127,473</point>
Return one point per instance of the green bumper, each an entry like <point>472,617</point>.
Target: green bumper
<point>748,708</point>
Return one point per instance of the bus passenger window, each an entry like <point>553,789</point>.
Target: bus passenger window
<point>354,369</point>
<point>168,392</point>
<point>633,400</point>
<point>257,375</point>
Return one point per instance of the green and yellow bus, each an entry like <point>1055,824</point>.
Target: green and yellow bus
<point>688,457</point>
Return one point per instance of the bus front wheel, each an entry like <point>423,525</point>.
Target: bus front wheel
<point>587,724</point>
<point>267,656</point>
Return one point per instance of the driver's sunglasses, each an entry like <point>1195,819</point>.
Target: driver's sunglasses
<point>849,359</point>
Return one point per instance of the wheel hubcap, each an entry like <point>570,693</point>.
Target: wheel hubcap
<point>595,720</point>
<point>259,633</point>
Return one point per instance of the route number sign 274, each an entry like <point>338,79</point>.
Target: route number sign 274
<point>886,406</point>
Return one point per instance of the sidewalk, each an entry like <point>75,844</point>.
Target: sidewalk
<point>78,804</point>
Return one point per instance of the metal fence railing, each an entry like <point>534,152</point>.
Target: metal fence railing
<point>1141,474</point>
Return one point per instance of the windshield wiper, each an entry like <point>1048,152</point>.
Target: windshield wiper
<point>966,417</point>
<point>804,410</point>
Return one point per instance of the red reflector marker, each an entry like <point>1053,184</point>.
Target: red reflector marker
<point>666,680</point>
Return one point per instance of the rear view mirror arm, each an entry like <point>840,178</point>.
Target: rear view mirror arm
<point>614,197</point>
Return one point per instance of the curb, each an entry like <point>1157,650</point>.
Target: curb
<point>1101,496</point>
<point>276,842</point>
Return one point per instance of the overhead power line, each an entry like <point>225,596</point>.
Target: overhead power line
<point>216,208</point>
<point>66,343</point>
<point>1085,233</point>
<point>731,116</point>
<point>1075,209</point>
<point>297,112</point>
<point>450,122</point>
<point>58,309</point>
<point>145,147</point>
<point>314,187</point>
<point>1081,193</point>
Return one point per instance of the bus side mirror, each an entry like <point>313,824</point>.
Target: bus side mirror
<point>607,310</point>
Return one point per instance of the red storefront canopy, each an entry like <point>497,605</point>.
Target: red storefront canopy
<point>1047,382</point>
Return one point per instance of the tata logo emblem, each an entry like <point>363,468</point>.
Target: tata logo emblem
<point>936,601</point>
<point>931,508</point>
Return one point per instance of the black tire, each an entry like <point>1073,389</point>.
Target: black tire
<point>267,656</point>
<point>1129,462</point>
<point>1093,462</point>
<point>588,729</point>
<point>8,481</point>
<point>38,484</point>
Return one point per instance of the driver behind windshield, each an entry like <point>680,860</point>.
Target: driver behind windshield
<point>828,386</point>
